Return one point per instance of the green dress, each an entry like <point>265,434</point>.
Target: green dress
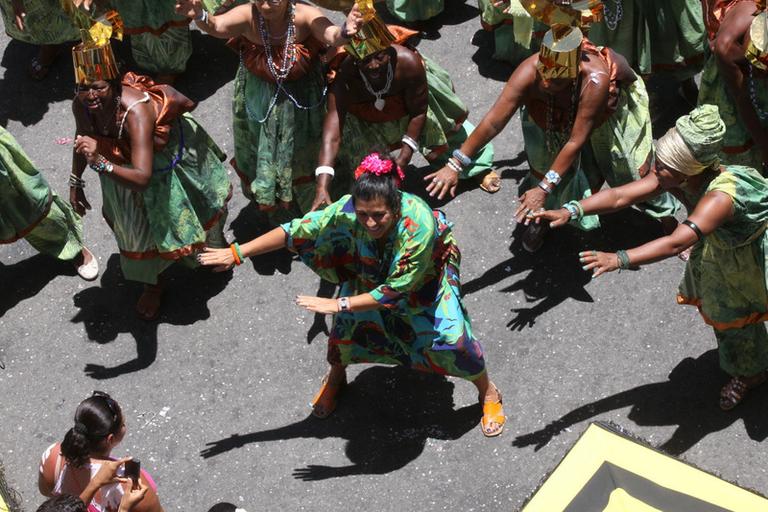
<point>414,276</point>
<point>277,133</point>
<point>415,10</point>
<point>160,38</point>
<point>46,23</point>
<point>726,274</point>
<point>615,153</point>
<point>738,146</point>
<point>29,209</point>
<point>655,35</point>
<point>516,36</point>
<point>185,204</point>
<point>446,128</point>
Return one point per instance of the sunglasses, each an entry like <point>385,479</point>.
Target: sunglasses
<point>111,404</point>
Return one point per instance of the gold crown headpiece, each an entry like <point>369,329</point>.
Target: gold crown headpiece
<point>93,58</point>
<point>579,13</point>
<point>372,37</point>
<point>757,49</point>
<point>560,53</point>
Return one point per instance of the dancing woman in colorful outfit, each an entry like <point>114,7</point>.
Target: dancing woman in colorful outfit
<point>400,300</point>
<point>279,94</point>
<point>163,183</point>
<point>29,209</point>
<point>725,276</point>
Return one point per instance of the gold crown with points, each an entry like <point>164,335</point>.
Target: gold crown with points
<point>560,53</point>
<point>372,37</point>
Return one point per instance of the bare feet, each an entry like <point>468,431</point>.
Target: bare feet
<point>148,306</point>
<point>491,182</point>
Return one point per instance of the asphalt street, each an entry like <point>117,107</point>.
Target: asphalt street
<point>216,392</point>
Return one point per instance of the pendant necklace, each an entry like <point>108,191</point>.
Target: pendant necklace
<point>380,102</point>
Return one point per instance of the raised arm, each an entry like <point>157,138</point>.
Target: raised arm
<point>232,23</point>
<point>324,30</point>
<point>333,126</point>
<point>713,210</point>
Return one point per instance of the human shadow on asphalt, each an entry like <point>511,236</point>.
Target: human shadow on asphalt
<point>26,100</point>
<point>251,223</point>
<point>507,169</point>
<point>109,310</point>
<point>688,399</point>
<point>211,66</point>
<point>554,273</point>
<point>455,12</point>
<point>487,66</point>
<point>386,415</point>
<point>28,277</point>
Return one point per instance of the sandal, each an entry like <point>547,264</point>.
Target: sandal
<point>733,393</point>
<point>491,182</point>
<point>493,412</point>
<point>324,402</point>
<point>88,271</point>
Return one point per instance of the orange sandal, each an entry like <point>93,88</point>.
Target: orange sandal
<point>491,182</point>
<point>493,412</point>
<point>325,399</point>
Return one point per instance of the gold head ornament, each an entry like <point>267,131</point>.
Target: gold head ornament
<point>93,58</point>
<point>560,53</point>
<point>578,13</point>
<point>372,37</point>
<point>757,49</point>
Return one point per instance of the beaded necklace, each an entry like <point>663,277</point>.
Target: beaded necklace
<point>612,18</point>
<point>380,102</point>
<point>762,114</point>
<point>280,73</point>
<point>552,138</point>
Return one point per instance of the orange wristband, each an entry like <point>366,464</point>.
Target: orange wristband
<point>238,261</point>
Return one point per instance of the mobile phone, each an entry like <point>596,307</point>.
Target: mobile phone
<point>132,471</point>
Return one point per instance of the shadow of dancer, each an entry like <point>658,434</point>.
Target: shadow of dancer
<point>28,277</point>
<point>686,399</point>
<point>455,12</point>
<point>555,272</point>
<point>108,310</point>
<point>252,223</point>
<point>386,416</point>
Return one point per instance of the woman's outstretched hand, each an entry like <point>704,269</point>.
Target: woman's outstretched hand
<point>556,218</point>
<point>318,304</point>
<point>220,259</point>
<point>599,262</point>
<point>354,20</point>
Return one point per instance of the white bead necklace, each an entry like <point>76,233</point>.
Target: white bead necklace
<point>380,102</point>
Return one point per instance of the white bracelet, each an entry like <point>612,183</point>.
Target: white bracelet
<point>325,169</point>
<point>408,141</point>
<point>454,166</point>
<point>203,18</point>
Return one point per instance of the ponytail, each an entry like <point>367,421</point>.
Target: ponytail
<point>95,419</point>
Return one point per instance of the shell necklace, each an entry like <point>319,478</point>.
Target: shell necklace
<point>380,102</point>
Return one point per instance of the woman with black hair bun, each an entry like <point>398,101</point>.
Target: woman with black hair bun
<point>400,301</point>
<point>82,464</point>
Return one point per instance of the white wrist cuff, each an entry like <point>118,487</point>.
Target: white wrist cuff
<point>325,169</point>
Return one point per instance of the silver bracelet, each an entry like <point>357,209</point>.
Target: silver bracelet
<point>325,169</point>
<point>454,166</point>
<point>543,186</point>
<point>203,18</point>
<point>461,157</point>
<point>76,182</point>
<point>408,141</point>
<point>344,304</point>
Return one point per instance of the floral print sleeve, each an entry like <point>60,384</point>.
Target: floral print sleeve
<point>412,255</point>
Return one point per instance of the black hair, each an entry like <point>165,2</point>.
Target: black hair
<point>63,503</point>
<point>95,418</point>
<point>223,507</point>
<point>369,186</point>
